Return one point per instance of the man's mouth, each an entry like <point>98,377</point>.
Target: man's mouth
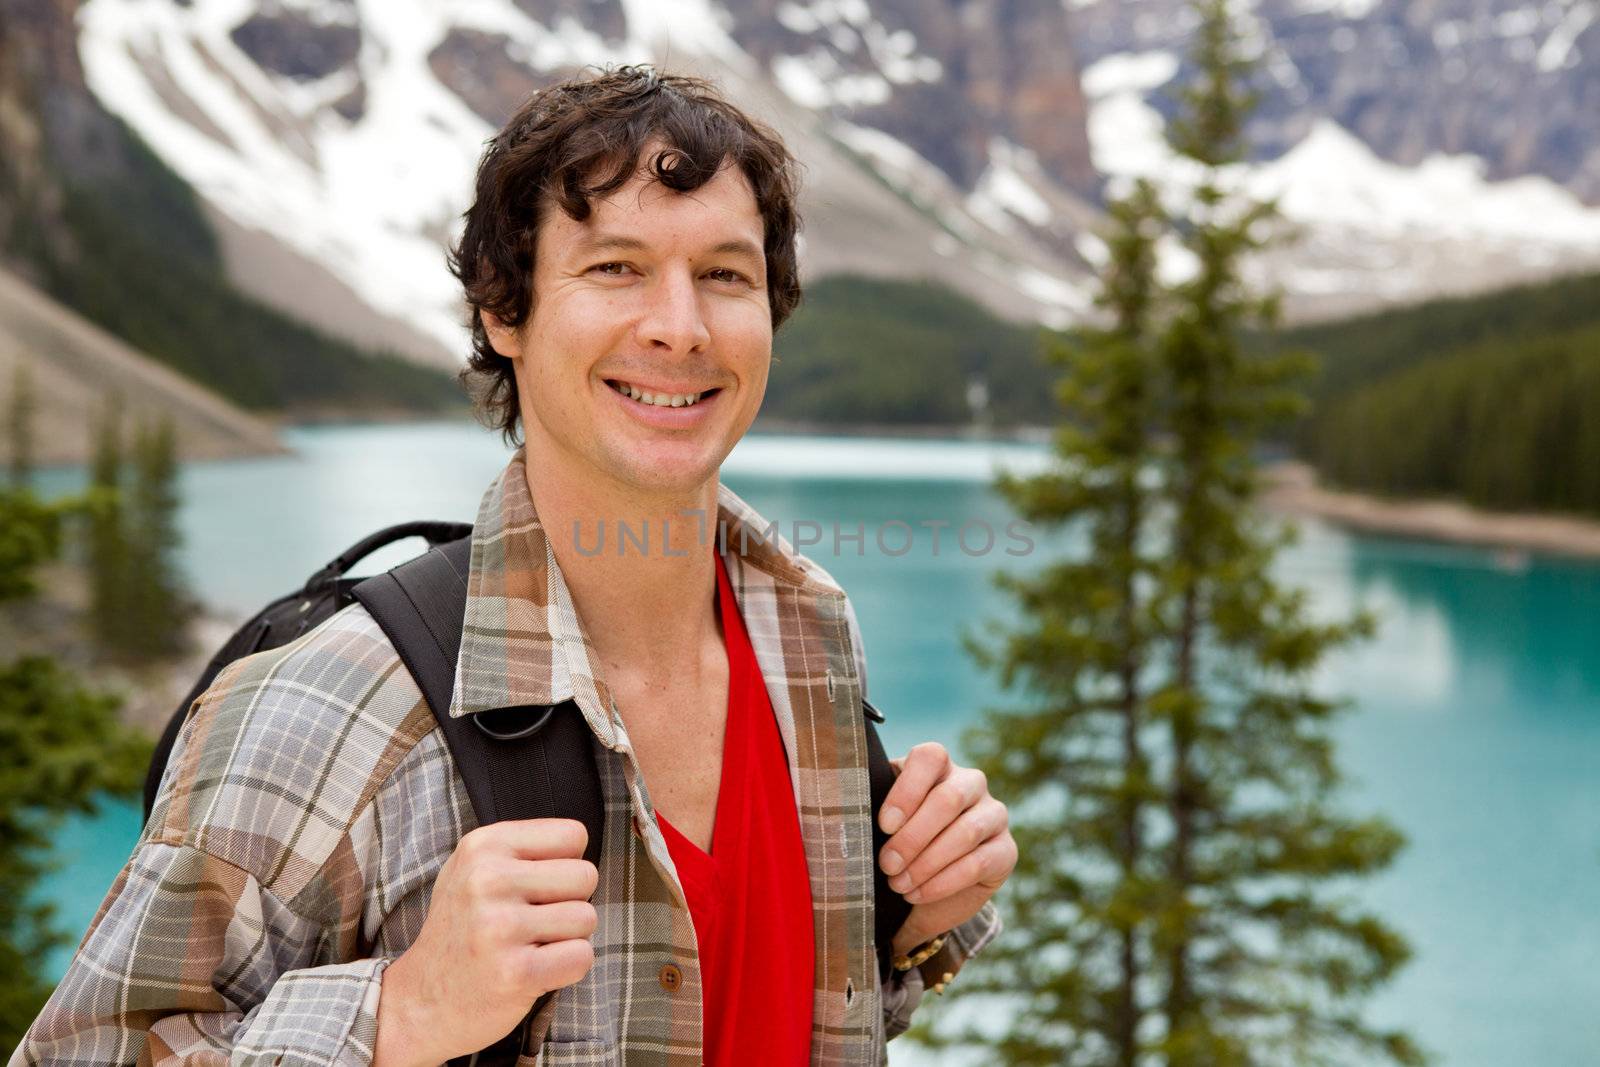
<point>660,400</point>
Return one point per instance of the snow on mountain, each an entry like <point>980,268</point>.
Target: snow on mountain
<point>960,140</point>
<point>347,131</point>
<point>1368,229</point>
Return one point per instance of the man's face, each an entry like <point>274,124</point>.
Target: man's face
<point>657,293</point>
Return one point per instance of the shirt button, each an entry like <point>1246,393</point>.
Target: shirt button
<point>671,978</point>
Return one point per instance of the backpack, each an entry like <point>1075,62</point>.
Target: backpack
<point>516,763</point>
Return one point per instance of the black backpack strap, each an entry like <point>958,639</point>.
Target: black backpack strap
<point>538,762</point>
<point>516,763</point>
<point>890,908</point>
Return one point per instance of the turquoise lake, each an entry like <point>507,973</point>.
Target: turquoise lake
<point>1475,727</point>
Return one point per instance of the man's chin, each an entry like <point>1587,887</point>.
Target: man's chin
<point>672,471</point>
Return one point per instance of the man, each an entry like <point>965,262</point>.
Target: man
<point>312,887</point>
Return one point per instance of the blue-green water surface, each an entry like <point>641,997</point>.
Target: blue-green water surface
<point>1477,708</point>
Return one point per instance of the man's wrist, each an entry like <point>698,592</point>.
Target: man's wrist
<point>911,936</point>
<point>403,1032</point>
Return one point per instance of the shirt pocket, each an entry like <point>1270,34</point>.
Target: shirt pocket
<point>572,1054</point>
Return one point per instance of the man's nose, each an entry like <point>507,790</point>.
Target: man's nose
<point>673,318</point>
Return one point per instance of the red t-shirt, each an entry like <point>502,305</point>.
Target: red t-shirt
<point>750,897</point>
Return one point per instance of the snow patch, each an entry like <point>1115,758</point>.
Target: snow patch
<point>1333,178</point>
<point>1053,291</point>
<point>323,12</point>
<point>800,79</point>
<point>1005,188</point>
<point>1093,249</point>
<point>849,25</point>
<point>1129,72</point>
<point>1558,51</point>
<point>698,27</point>
<point>913,176</point>
<point>1339,192</point>
<point>1349,9</point>
<point>816,81</point>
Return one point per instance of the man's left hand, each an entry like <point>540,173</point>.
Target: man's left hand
<point>949,847</point>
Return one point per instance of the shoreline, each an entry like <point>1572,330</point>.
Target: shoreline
<point>909,431</point>
<point>1291,487</point>
<point>1287,486</point>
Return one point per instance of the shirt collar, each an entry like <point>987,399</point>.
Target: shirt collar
<point>522,641</point>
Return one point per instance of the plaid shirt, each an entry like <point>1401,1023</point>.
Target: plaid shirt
<point>311,801</point>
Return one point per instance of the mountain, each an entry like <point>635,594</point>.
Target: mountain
<point>1516,85</point>
<point>343,136</point>
<point>1423,147</point>
<point>102,226</point>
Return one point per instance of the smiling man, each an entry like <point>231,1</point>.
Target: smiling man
<point>313,887</point>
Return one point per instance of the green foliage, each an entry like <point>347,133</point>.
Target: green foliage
<point>21,407</point>
<point>139,608</point>
<point>1487,398</point>
<point>1505,426</point>
<point>1173,788</point>
<point>143,263</point>
<point>108,554</point>
<point>1359,351</point>
<point>870,350</point>
<point>30,534</point>
<point>163,608</point>
<point>61,749</point>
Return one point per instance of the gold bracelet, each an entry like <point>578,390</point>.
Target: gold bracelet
<point>919,955</point>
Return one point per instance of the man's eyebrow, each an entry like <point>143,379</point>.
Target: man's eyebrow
<point>739,246</point>
<point>607,242</point>
<point>619,242</point>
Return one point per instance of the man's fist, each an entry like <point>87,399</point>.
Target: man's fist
<point>509,920</point>
<point>950,846</point>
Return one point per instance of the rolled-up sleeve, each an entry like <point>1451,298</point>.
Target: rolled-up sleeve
<point>191,961</point>
<point>904,990</point>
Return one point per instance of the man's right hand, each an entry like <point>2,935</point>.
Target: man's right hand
<point>509,920</point>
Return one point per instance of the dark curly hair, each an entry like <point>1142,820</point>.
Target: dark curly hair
<point>584,138</point>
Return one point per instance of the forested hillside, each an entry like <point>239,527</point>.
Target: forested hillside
<point>1494,399</point>
<point>865,350</point>
<point>1512,426</point>
<point>1358,350</point>
<point>145,266</point>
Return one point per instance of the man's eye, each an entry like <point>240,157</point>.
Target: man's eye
<point>613,270</point>
<point>723,274</point>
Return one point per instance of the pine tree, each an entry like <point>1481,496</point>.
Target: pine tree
<point>109,554</point>
<point>159,607</point>
<point>1261,964</point>
<point>1076,948</point>
<point>30,530</point>
<point>140,609</point>
<point>62,749</point>
<point>20,410</point>
<point>1173,792</point>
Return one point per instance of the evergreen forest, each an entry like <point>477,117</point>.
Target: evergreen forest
<point>1492,399</point>
<point>871,350</point>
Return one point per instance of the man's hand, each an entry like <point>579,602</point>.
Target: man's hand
<point>509,920</point>
<point>949,848</point>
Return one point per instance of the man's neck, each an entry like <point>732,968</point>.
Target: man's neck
<point>640,569</point>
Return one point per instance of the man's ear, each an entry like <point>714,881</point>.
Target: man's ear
<point>502,338</point>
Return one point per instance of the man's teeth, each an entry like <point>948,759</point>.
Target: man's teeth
<point>660,400</point>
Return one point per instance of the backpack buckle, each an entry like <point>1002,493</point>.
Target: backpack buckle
<point>506,724</point>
